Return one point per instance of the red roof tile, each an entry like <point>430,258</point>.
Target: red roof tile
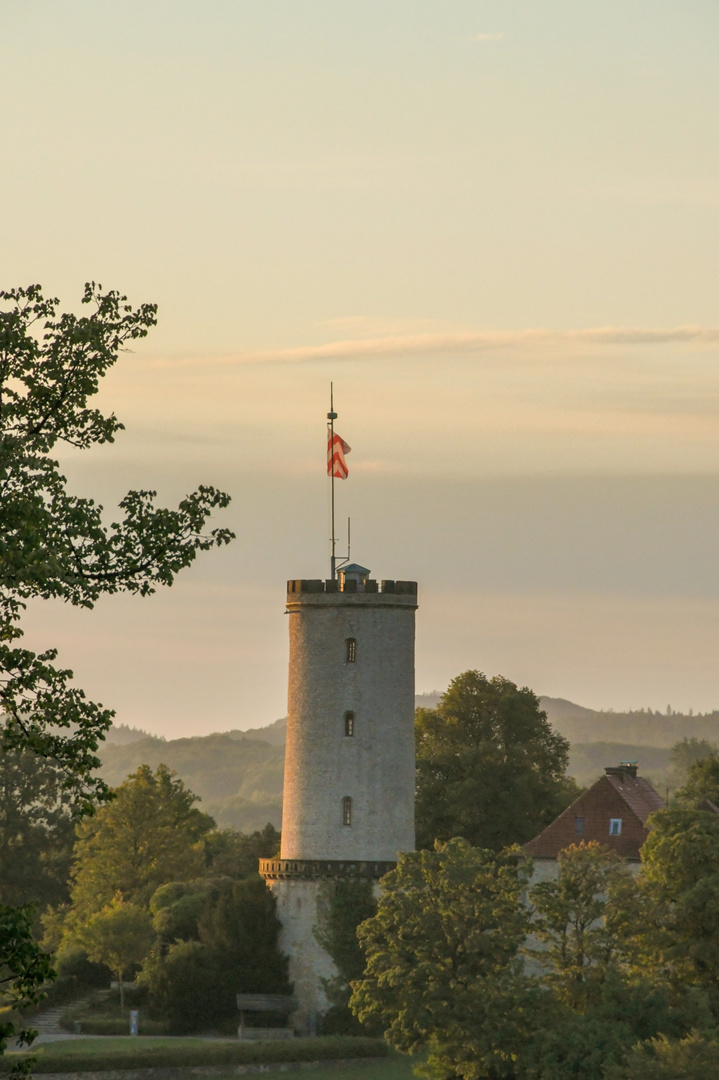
<point>629,798</point>
<point>638,793</point>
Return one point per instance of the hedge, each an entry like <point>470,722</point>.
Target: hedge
<point>330,1048</point>
<point>111,1025</point>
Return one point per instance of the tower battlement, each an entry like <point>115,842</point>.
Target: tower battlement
<point>350,585</point>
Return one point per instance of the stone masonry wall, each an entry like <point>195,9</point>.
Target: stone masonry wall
<point>375,766</point>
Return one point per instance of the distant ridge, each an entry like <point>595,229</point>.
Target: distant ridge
<point>639,726</point>
<point>122,734</point>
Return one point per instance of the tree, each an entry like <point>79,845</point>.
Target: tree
<point>442,974</point>
<point>237,854</point>
<point>489,766</point>
<point>585,920</point>
<point>685,753</point>
<point>343,905</point>
<point>54,544</point>
<point>194,983</point>
<point>36,830</point>
<point>150,834</point>
<point>692,1058</point>
<point>702,782</point>
<point>24,968</point>
<point>120,935</point>
<point>680,880</point>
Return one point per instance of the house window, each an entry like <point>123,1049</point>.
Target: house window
<point>349,724</point>
<point>347,811</point>
<point>351,650</point>
<point>615,826</point>
<point>579,824</point>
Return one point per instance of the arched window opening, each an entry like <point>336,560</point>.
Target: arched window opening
<point>349,724</point>
<point>347,810</point>
<point>351,650</point>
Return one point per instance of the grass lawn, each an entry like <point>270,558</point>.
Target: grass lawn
<point>127,1052</point>
<point>392,1069</point>
<point>106,1044</point>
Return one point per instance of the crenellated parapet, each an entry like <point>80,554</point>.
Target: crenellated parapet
<point>322,869</point>
<point>350,585</point>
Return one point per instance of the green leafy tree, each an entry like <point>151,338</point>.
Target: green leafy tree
<point>684,754</point>
<point>442,974</point>
<point>120,935</point>
<point>585,921</point>
<point>236,854</point>
<point>680,880</point>
<point>692,1058</point>
<point>36,830</point>
<point>150,834</point>
<point>343,905</point>
<point>24,968</point>
<point>57,545</point>
<point>490,767</point>
<point>194,983</point>
<point>702,782</point>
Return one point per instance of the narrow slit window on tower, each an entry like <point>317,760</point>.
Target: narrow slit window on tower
<point>351,650</point>
<point>347,810</point>
<point>349,724</point>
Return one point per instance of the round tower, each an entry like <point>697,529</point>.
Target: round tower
<point>348,806</point>
<point>349,765</point>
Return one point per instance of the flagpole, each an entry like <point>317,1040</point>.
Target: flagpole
<point>332,416</point>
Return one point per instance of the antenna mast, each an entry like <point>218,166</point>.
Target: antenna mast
<point>332,416</point>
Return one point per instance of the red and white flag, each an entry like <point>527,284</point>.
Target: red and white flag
<point>336,450</point>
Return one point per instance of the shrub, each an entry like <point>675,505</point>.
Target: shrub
<point>194,984</point>
<point>693,1058</point>
<point>111,1025</point>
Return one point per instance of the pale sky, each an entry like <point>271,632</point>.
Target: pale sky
<point>493,225</point>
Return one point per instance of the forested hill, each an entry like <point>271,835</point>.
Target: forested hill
<point>238,774</point>
<point>641,727</point>
<point>239,779</point>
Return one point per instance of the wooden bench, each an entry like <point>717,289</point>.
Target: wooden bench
<point>264,1003</point>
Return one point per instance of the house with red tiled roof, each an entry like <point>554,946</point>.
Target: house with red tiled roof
<point>613,811</point>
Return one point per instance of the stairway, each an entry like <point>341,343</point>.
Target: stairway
<point>47,1022</point>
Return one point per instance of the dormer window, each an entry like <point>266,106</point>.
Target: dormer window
<point>351,646</point>
<point>349,724</point>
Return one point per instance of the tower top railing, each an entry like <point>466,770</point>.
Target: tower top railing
<point>317,585</point>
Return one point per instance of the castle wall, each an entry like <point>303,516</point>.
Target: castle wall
<point>309,964</point>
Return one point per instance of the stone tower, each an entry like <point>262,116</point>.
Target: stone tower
<point>349,767</point>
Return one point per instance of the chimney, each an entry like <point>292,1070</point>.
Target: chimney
<point>625,770</point>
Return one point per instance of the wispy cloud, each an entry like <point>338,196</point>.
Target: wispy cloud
<point>489,37</point>
<point>467,343</point>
